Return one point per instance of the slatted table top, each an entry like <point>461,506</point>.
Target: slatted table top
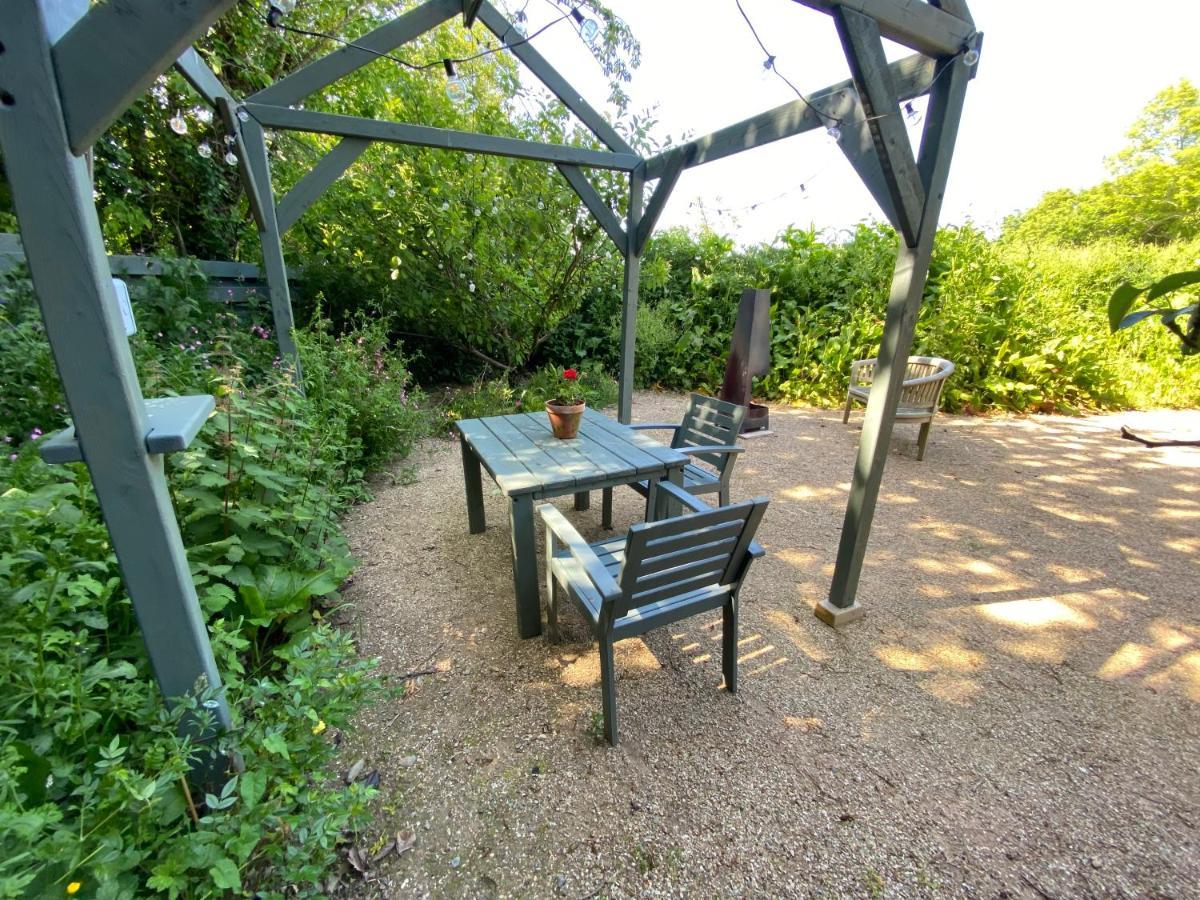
<point>524,457</point>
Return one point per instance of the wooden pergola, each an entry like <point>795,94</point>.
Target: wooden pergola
<point>67,73</point>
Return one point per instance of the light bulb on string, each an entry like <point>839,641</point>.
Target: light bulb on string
<point>243,114</point>
<point>834,132</point>
<point>971,57</point>
<point>277,9</point>
<point>456,88</point>
<point>519,25</point>
<point>588,28</point>
<point>178,123</point>
<point>230,140</point>
<point>205,150</point>
<point>910,113</point>
<point>768,67</point>
<point>231,158</point>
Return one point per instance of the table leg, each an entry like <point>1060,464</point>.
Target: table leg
<point>476,522</point>
<point>674,507</point>
<point>583,500</point>
<point>524,560</point>
<point>606,509</point>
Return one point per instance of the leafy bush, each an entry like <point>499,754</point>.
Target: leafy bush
<point>91,763</point>
<point>595,386</point>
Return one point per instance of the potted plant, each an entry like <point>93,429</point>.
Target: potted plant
<point>566,409</point>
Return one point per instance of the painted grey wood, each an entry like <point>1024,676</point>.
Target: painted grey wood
<point>470,11</point>
<point>524,563</point>
<point>319,179</point>
<point>629,295</point>
<point>914,23</point>
<point>857,143</point>
<point>115,52</point>
<point>258,190</point>
<point>904,304</point>
<point>299,84</point>
<point>957,8</point>
<point>595,204</point>
<point>172,424</point>
<point>202,79</point>
<point>658,202</point>
<point>498,25</point>
<point>911,75</point>
<point>473,480</point>
<point>659,573</point>
<point>52,197</point>
<point>863,46</point>
<point>258,171</point>
<point>440,138</point>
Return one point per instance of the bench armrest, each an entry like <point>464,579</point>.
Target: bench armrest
<point>655,426</point>
<point>714,448</point>
<point>558,526</point>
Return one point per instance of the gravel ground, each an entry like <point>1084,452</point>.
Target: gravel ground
<point>1015,717</point>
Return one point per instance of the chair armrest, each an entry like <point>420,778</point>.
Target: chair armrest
<point>714,448</point>
<point>926,379</point>
<point>756,550</point>
<point>655,426</point>
<point>557,524</point>
<point>691,501</point>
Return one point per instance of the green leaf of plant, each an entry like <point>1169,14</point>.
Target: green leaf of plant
<point>225,875</point>
<point>1120,302</point>
<point>1172,282</point>
<point>275,743</point>
<point>253,786</point>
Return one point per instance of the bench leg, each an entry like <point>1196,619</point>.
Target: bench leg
<point>922,439</point>
<point>606,508</point>
<point>608,688</point>
<point>583,500</point>
<point>729,644</point>
<point>552,632</point>
<point>476,522</point>
<point>524,561</point>
<point>846,411</point>
<point>723,494</point>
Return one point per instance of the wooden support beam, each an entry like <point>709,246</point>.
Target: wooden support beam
<point>591,198</point>
<point>629,297</point>
<point>202,79</point>
<point>116,51</point>
<point>956,8</point>
<point>341,62</point>
<point>259,201</point>
<point>904,305</point>
<point>868,64</point>
<point>259,167</point>
<point>654,209</point>
<point>470,11</point>
<point>52,197</point>
<point>319,179</point>
<point>913,23</point>
<point>911,77</point>
<point>495,22</point>
<point>858,145</point>
<point>442,138</point>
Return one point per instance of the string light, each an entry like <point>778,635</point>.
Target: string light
<point>588,27</point>
<point>205,150</point>
<point>456,88</point>
<point>178,123</point>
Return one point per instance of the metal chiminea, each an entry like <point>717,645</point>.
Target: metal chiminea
<point>749,355</point>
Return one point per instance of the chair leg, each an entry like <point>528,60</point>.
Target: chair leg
<point>729,644</point>
<point>608,688</point>
<point>846,411</point>
<point>723,494</point>
<point>552,591</point>
<point>606,509</point>
<point>923,438</point>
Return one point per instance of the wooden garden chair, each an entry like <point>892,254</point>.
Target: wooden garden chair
<point>659,573</point>
<point>920,397</point>
<point>707,433</point>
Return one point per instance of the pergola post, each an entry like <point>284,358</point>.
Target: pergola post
<point>904,305</point>
<point>629,294</point>
<point>259,169</point>
<point>64,248</point>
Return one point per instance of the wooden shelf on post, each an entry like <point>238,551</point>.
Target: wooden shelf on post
<point>174,422</point>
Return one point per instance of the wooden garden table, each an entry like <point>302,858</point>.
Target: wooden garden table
<point>529,464</point>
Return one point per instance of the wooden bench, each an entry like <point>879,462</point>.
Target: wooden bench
<point>659,573</point>
<point>919,398</point>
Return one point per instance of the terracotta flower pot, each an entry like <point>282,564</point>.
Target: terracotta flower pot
<point>564,418</point>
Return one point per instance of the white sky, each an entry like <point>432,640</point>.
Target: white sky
<point>1059,84</point>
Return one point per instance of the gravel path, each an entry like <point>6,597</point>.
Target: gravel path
<point>1016,716</point>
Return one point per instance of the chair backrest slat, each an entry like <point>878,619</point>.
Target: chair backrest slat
<point>707,422</point>
<point>687,553</point>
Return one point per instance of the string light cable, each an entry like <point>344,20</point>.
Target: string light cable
<point>277,9</point>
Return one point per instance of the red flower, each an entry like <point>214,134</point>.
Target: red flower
<point>570,374</point>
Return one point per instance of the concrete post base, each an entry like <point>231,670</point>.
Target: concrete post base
<point>836,616</point>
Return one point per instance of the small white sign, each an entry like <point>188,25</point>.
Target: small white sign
<point>126,308</point>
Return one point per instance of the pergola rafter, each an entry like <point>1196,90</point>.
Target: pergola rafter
<point>59,96</point>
